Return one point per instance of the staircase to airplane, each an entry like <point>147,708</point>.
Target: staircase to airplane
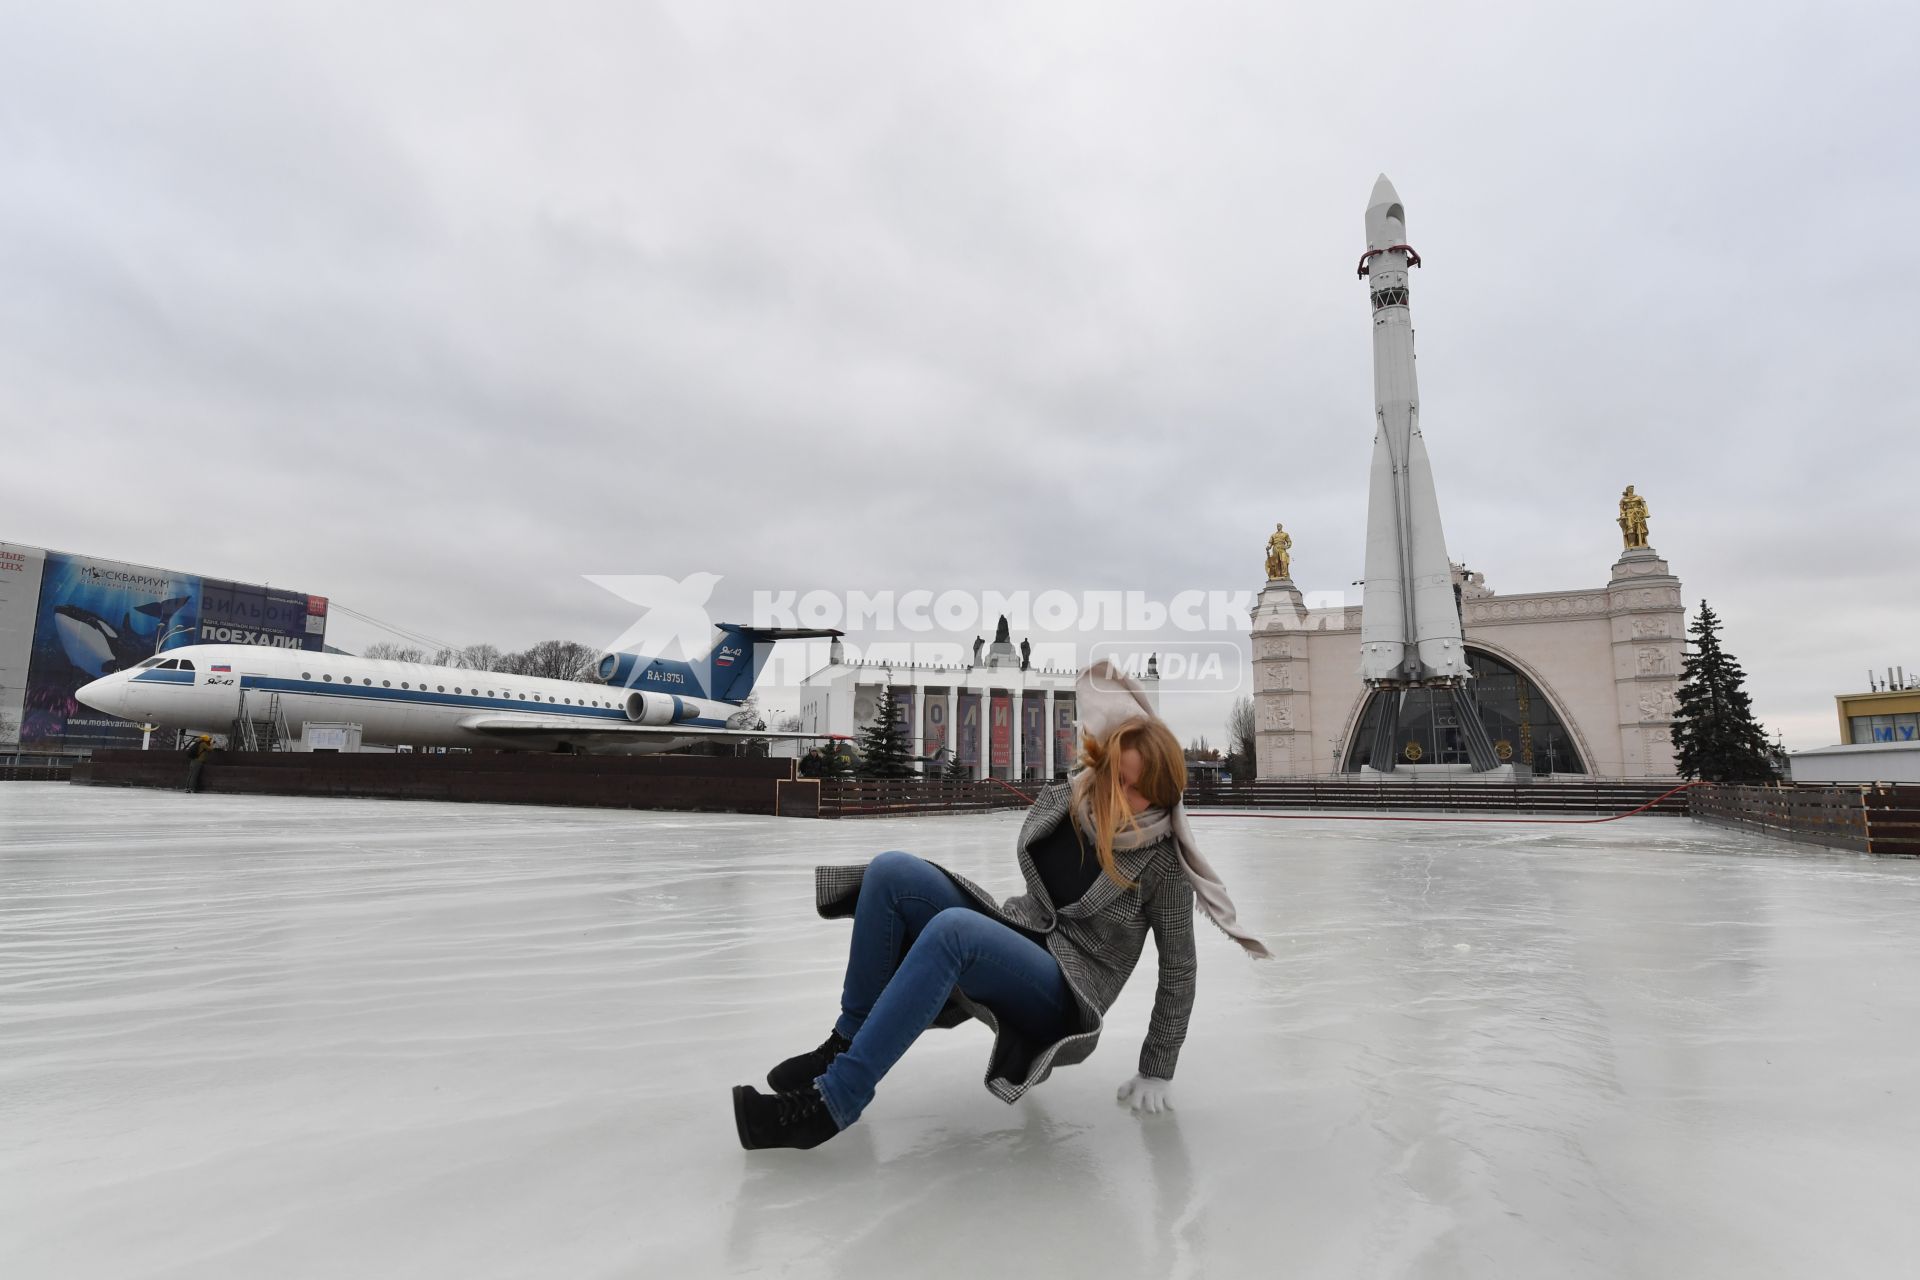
<point>253,731</point>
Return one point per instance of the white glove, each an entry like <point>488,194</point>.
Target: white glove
<point>1147,1093</point>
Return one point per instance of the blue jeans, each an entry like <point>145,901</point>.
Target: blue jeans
<point>916,937</point>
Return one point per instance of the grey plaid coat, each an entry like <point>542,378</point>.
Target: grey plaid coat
<point>1097,941</point>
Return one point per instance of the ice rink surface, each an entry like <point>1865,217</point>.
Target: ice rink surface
<point>295,1037</point>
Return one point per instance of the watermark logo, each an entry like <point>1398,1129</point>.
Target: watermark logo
<point>674,626</point>
<point>1184,666</point>
<point>1194,641</point>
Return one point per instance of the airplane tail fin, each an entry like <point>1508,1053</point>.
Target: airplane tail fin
<point>742,652</point>
<point>726,673</point>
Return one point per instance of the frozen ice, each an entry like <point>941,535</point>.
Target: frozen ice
<point>253,1037</point>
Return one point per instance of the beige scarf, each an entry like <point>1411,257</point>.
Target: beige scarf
<point>1105,696</point>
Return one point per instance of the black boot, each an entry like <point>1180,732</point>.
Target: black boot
<point>801,1071</point>
<point>795,1118</point>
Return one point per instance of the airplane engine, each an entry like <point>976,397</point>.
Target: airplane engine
<point>652,708</point>
<point>617,668</point>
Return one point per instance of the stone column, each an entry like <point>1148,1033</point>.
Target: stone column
<point>1046,737</point>
<point>953,728</point>
<point>916,730</point>
<point>1282,702</point>
<point>1649,624</point>
<point>1019,698</point>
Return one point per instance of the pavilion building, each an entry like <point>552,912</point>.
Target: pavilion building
<point>998,717</point>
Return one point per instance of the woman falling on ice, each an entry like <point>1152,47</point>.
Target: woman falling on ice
<point>1107,856</point>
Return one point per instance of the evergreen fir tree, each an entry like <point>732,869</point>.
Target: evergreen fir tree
<point>885,749</point>
<point>1715,737</point>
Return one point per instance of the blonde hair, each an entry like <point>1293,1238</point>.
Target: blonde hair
<point>1098,786</point>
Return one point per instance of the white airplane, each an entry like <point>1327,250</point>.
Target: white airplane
<point>642,706</point>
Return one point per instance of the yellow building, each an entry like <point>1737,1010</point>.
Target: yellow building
<point>1884,715</point>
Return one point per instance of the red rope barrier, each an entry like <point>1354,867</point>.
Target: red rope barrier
<point>1009,786</point>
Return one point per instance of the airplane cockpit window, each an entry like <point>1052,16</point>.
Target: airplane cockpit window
<point>171,664</point>
<point>150,662</point>
<point>186,664</point>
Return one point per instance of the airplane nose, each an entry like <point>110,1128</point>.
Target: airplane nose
<point>104,694</point>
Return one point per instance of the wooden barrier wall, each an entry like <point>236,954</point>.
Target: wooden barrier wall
<point>872,797</point>
<point>34,772</point>
<point>846,798</point>
<point>1599,797</point>
<point>718,784</point>
<point>1880,818</point>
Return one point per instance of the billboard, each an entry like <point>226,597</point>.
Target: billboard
<point>1000,758</point>
<point>1033,737</point>
<point>89,617</point>
<point>903,714</point>
<point>20,569</point>
<point>967,712</point>
<point>933,731</point>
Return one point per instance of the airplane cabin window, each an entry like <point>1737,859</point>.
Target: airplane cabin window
<point>439,688</point>
<point>306,675</point>
<point>328,679</point>
<point>405,685</point>
<point>366,679</point>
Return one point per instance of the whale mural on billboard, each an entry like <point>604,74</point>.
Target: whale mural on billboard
<point>90,617</point>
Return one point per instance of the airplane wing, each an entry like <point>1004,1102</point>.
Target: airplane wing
<point>549,726</point>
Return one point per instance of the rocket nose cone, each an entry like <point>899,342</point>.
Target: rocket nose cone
<point>1386,218</point>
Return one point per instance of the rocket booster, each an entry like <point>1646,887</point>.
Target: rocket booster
<point>1409,624</point>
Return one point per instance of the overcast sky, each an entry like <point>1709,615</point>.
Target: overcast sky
<point>436,308</point>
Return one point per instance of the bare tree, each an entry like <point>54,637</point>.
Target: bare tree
<point>479,657</point>
<point>556,660</point>
<point>388,651</point>
<point>792,722</point>
<point>1240,727</point>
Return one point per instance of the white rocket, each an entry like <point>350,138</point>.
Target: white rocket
<point>1409,624</point>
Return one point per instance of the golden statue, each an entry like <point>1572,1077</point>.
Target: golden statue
<point>1279,562</point>
<point>1633,519</point>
